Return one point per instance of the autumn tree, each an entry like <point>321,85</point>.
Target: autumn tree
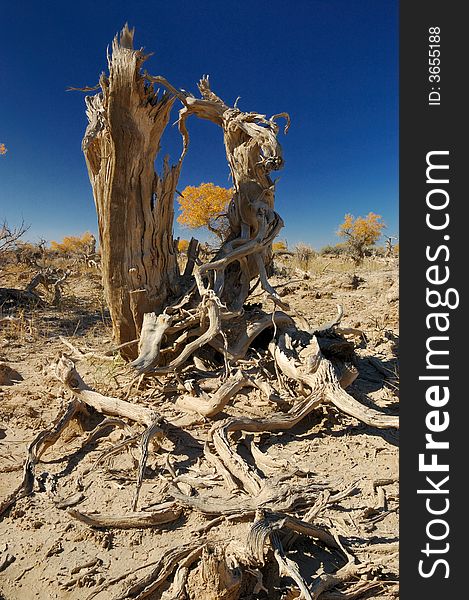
<point>205,205</point>
<point>3,149</point>
<point>280,246</point>
<point>360,234</point>
<point>183,246</point>
<point>72,245</point>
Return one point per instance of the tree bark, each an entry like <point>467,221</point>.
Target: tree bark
<point>134,204</point>
<point>253,152</point>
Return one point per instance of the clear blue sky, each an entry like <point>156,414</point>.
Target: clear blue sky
<point>332,64</point>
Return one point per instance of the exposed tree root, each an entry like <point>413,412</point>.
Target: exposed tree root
<point>64,370</point>
<point>36,448</point>
<point>209,406</point>
<point>165,513</point>
<point>278,495</point>
<point>151,431</point>
<point>319,380</point>
<point>311,368</point>
<point>263,493</point>
<point>153,329</point>
<point>184,555</point>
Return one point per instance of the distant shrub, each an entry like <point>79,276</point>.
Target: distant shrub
<point>304,253</point>
<point>378,252</point>
<point>336,250</point>
<point>29,254</point>
<point>280,246</point>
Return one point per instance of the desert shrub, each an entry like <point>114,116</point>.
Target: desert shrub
<point>280,246</point>
<point>377,251</point>
<point>304,253</point>
<point>29,254</point>
<point>333,250</point>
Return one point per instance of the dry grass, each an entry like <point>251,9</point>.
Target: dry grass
<point>21,328</point>
<point>318,265</point>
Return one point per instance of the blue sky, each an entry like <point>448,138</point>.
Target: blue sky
<point>332,64</point>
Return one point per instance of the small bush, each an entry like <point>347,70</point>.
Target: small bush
<point>304,253</point>
<point>330,250</point>
<point>280,246</point>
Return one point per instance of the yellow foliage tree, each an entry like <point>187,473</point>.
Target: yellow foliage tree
<point>86,244</point>
<point>279,246</point>
<point>205,206</point>
<point>183,245</point>
<point>360,233</point>
<point>3,149</point>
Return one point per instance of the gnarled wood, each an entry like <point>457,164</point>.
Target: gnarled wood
<point>64,370</point>
<point>164,568</point>
<point>36,448</point>
<point>209,406</point>
<point>159,515</point>
<point>127,119</point>
<point>253,152</point>
<point>153,329</point>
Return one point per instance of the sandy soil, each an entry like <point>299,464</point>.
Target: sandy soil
<point>47,554</point>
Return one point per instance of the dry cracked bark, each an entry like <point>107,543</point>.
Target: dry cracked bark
<point>127,119</point>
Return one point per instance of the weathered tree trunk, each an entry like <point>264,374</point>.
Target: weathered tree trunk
<point>134,205</point>
<point>252,151</point>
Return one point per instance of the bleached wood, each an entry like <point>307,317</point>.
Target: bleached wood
<point>209,406</point>
<point>64,370</point>
<point>159,515</point>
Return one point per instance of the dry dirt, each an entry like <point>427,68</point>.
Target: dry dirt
<point>45,553</point>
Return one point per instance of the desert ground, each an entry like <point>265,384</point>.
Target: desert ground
<point>46,552</point>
